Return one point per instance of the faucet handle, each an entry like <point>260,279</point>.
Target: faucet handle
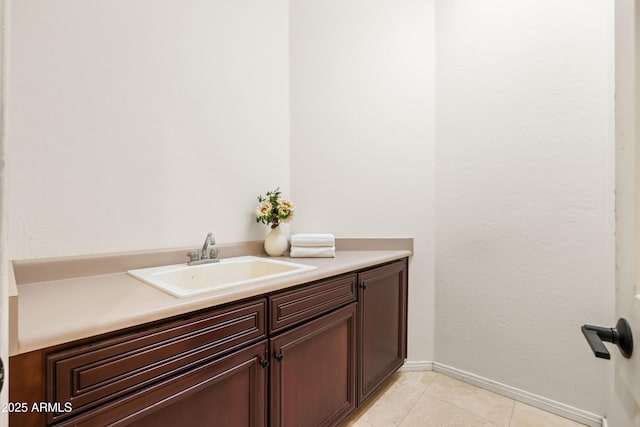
<point>213,253</point>
<point>193,255</point>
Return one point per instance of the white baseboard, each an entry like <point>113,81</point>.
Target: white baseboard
<point>413,366</point>
<point>534,400</point>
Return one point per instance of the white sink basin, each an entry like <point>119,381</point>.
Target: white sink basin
<point>182,280</point>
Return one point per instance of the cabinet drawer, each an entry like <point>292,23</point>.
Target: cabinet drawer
<point>92,374</point>
<point>290,308</point>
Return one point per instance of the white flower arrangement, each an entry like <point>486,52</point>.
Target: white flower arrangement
<point>273,209</point>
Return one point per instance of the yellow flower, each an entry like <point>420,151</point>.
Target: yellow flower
<point>285,210</point>
<point>272,209</point>
<point>286,204</point>
<point>264,209</point>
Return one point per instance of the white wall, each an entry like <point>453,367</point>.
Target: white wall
<point>362,146</point>
<point>145,124</point>
<point>524,205</point>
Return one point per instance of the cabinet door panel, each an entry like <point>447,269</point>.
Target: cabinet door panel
<point>382,316</point>
<point>313,383</point>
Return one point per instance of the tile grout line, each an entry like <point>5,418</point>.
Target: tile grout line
<point>472,412</point>
<point>440,399</point>
<point>410,409</point>
<point>466,411</point>
<point>513,409</point>
<point>415,403</point>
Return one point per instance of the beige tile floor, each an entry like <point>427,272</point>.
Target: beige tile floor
<point>430,399</point>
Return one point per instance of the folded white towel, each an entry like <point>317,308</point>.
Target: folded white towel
<point>312,252</point>
<point>313,239</point>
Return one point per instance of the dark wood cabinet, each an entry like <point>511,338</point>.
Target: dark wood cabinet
<point>306,356</point>
<point>129,374</point>
<point>90,375</point>
<point>313,372</point>
<point>228,392</point>
<point>382,318</point>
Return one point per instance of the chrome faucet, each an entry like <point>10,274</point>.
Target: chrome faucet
<point>209,240</point>
<point>205,257</point>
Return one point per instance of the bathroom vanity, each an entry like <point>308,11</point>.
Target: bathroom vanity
<point>298,354</point>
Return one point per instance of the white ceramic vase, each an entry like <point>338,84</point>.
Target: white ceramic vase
<point>276,243</point>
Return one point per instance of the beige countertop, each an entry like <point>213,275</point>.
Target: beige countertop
<point>79,304</point>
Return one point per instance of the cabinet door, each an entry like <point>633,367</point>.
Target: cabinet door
<point>383,324</point>
<point>313,371</point>
<point>228,392</point>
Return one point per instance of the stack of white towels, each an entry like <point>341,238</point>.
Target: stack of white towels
<point>313,245</point>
